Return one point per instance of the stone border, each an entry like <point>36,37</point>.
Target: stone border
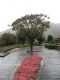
<point>4,54</point>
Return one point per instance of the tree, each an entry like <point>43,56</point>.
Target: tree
<point>21,37</point>
<point>8,39</point>
<point>40,39</point>
<point>32,26</point>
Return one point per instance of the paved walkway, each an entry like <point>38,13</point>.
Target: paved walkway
<point>51,64</point>
<point>49,71</point>
<point>8,64</point>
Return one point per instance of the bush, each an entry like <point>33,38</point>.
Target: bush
<point>50,46</point>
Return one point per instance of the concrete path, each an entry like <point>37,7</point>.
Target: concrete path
<point>8,64</point>
<point>51,64</point>
<point>49,71</point>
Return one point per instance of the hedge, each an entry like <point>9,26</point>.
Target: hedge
<point>50,46</point>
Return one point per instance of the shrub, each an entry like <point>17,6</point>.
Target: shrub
<point>50,46</point>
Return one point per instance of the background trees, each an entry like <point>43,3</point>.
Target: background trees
<point>8,39</point>
<point>21,37</point>
<point>31,26</point>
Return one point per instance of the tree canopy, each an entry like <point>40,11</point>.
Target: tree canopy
<point>28,21</point>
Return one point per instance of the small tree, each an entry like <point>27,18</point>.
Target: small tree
<point>32,26</point>
<point>8,39</point>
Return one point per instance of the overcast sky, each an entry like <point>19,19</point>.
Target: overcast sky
<point>10,10</point>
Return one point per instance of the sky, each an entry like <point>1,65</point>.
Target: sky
<point>10,10</point>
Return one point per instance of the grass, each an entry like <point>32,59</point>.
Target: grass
<point>20,45</point>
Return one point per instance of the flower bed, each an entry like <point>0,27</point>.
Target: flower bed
<point>28,69</point>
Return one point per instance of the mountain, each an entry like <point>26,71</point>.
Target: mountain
<point>54,31</point>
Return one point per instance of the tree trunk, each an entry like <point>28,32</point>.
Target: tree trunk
<point>31,47</point>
